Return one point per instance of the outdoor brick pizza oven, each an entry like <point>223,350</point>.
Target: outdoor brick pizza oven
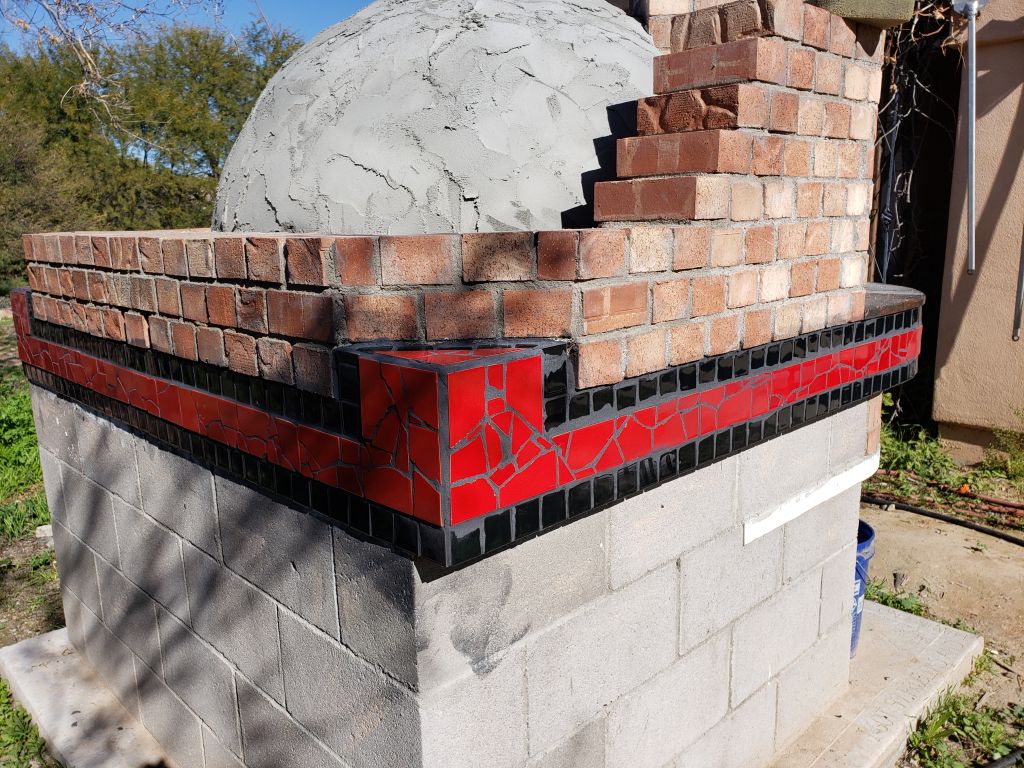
<point>420,476</point>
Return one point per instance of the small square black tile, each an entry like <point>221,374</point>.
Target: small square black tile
<point>465,546</point>
<point>603,398</point>
<point>604,490</point>
<point>668,382</point>
<point>668,466</point>
<point>579,405</point>
<point>648,388</point>
<point>553,508</point>
<point>625,397</point>
<point>498,530</point>
<point>406,538</point>
<point>527,518</point>
<point>580,501</point>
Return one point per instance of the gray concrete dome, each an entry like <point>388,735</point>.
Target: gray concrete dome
<point>440,116</point>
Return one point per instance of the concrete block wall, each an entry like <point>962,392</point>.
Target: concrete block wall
<point>242,632</point>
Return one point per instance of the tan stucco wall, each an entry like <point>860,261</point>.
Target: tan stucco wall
<point>980,370</point>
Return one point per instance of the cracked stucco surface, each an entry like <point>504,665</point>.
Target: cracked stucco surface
<point>421,116</point>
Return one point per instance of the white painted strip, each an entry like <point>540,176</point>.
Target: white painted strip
<point>804,502</point>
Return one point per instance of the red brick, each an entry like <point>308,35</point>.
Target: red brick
<point>602,253</point>
<point>671,300</point>
<point>200,258</point>
<point>136,330</point>
<point>827,74</point>
<point>113,324</point>
<point>143,293</point>
<point>556,255</point>
<point>747,201</point>
<point>275,360</point>
<point>767,159</point>
<point>726,247</point>
<point>870,43</point>
<point>419,260</point>
<point>306,260</point>
<point>299,315</point>
<point>784,114</point>
<point>544,312</point>
<point>65,283</point>
<point>645,353</point>
<point>834,200</point>
<point>843,40</point>
<point>683,111</point>
<point>83,245</point>
<point>26,247</point>
<point>796,157</point>
<point>460,315</point>
<point>802,279</point>
<point>241,353</point>
<point>809,199</point>
<point>708,295</point>
<point>761,59</point>
<point>168,300</point>
<point>252,310</point>
<point>698,29</point>
<point>837,120</point>
<point>264,260</point>
<point>686,343</point>
<point>160,334</point>
<point>220,305</point>
<point>150,258</point>
<point>817,241</point>
<point>811,119</point>
<point>354,259</point>
<point>229,258</point>
<point>759,245</point>
<point>210,346</point>
<point>599,362</point>
<point>717,151</point>
<point>97,287</point>
<point>724,335</point>
<point>496,256</point>
<point>791,240</point>
<point>392,316</point>
<point>757,328</point>
<point>616,306</point>
<point>691,247</point>
<point>742,288</point>
<point>125,254</point>
<point>801,69</point>
<point>672,198</point>
<point>863,120</point>
<point>173,252</point>
<point>183,337</point>
<point>193,302</point>
<point>779,197</point>
<point>817,27</point>
<point>787,320</point>
<point>312,366</point>
<point>850,161</point>
<point>828,274</point>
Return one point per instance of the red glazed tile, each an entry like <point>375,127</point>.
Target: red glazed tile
<point>537,478</point>
<point>524,389</point>
<point>469,461</point>
<point>426,501</point>
<point>465,403</point>
<point>389,487</point>
<point>425,451</point>
<point>472,500</point>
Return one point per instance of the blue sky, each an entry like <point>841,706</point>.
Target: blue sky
<point>306,17</point>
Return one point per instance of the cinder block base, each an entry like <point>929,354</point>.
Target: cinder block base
<point>242,632</point>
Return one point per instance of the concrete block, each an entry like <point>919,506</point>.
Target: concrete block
<point>55,425</point>
<point>76,565</point>
<point>130,614</point>
<point>654,528</point>
<point>236,619</point>
<point>581,750</point>
<point>849,437</point>
<point>73,619</point>
<point>361,714</point>
<point>151,557</point>
<point>745,738</point>
<point>108,456</point>
<point>820,533</point>
<point>497,736</point>
<point>172,723</point>
<point>112,660</point>
<point>779,469</point>
<point>722,579</point>
<point>89,513</point>
<point>53,486</point>
<point>272,739</point>
<point>286,553</point>
<point>649,726</point>
<point>580,665</point>
<point>377,605</point>
<point>200,678</point>
<point>837,576</point>
<point>465,618</point>
<point>179,494</point>
<point>774,634</point>
<point>216,754</point>
<point>811,683</point>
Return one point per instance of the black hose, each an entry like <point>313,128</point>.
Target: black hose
<point>1004,762</point>
<point>868,499</point>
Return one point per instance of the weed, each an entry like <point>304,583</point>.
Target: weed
<point>20,743</point>
<point>19,519</point>
<point>878,592</point>
<point>1007,455</point>
<point>958,732</point>
<point>42,567</point>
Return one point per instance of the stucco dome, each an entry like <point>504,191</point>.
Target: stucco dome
<point>440,116</point>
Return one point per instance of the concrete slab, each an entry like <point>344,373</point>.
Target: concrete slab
<point>81,721</point>
<point>904,663</point>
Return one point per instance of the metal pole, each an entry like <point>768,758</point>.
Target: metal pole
<point>1018,315</point>
<point>972,125</point>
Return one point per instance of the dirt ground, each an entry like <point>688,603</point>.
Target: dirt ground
<point>29,597</point>
<point>959,575</point>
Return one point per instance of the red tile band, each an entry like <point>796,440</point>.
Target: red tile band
<point>449,436</point>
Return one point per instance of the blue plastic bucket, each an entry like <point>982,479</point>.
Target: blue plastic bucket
<point>865,551</point>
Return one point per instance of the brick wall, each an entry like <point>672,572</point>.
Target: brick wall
<point>741,216</point>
